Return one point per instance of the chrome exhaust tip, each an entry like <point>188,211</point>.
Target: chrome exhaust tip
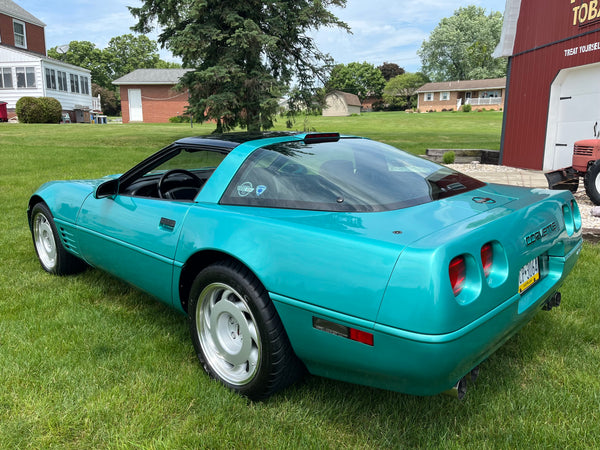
<point>459,390</point>
<point>552,302</point>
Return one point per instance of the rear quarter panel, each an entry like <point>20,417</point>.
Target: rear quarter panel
<point>340,271</point>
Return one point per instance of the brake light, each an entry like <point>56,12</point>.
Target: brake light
<point>487,258</point>
<point>576,215</point>
<point>314,138</point>
<point>458,274</point>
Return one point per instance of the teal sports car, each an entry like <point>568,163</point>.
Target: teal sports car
<point>336,255</point>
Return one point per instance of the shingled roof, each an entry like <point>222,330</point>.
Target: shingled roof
<point>152,76</point>
<point>467,85</point>
<point>11,9</point>
<point>350,99</point>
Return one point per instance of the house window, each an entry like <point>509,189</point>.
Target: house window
<point>429,97</point>
<point>62,81</point>
<point>490,94</point>
<point>19,29</point>
<point>25,77</point>
<point>85,85</point>
<point>444,96</point>
<point>50,78</point>
<point>74,83</point>
<point>6,78</point>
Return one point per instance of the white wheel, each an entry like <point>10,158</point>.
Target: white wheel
<point>45,244</point>
<point>50,251</point>
<point>237,334</point>
<point>229,336</point>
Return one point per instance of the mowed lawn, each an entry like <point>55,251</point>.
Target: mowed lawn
<point>89,362</point>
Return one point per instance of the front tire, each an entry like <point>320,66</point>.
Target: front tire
<point>237,334</point>
<point>52,255</point>
<point>591,182</point>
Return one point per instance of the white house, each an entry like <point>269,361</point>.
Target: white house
<point>26,71</point>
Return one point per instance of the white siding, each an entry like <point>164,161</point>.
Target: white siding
<point>68,100</point>
<point>12,58</point>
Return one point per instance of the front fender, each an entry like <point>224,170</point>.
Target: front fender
<point>64,198</point>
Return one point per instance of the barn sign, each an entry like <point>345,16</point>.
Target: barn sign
<point>553,82</point>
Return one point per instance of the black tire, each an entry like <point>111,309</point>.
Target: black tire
<point>49,248</point>
<point>591,181</point>
<point>237,333</point>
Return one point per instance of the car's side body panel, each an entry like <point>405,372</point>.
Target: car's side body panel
<point>299,254</point>
<point>133,238</point>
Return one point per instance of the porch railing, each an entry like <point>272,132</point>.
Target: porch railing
<point>484,101</point>
<point>96,106</point>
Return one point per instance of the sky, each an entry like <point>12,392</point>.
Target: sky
<point>382,30</point>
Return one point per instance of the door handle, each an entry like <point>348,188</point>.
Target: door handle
<point>168,224</point>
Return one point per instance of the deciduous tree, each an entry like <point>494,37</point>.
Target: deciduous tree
<point>362,79</point>
<point>400,90</point>
<point>390,70</point>
<point>461,46</point>
<point>85,54</point>
<point>245,54</point>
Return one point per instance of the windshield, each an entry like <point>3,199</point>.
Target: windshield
<point>346,175</point>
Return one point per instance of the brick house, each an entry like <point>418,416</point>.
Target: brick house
<point>149,95</point>
<point>26,71</point>
<point>451,95</point>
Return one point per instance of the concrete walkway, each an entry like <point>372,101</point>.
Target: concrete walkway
<point>504,175</point>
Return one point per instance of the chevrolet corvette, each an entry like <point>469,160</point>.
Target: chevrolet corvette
<point>336,255</point>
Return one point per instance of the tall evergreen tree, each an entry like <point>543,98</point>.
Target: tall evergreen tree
<point>245,53</point>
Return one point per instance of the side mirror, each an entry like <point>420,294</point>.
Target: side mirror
<point>109,188</point>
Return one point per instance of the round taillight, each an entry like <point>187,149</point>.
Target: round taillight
<point>458,274</point>
<point>487,258</point>
<point>576,215</point>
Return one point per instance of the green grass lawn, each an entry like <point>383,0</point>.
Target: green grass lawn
<point>89,362</point>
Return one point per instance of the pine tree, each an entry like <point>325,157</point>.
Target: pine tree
<point>245,54</point>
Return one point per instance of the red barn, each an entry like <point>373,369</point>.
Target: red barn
<point>149,95</point>
<point>553,87</point>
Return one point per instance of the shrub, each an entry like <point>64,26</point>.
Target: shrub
<point>27,108</point>
<point>51,110</point>
<point>180,119</point>
<point>449,158</point>
<point>466,107</point>
<point>38,110</point>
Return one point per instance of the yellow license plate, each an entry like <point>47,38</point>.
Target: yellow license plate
<point>529,275</point>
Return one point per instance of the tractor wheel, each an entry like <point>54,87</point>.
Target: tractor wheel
<point>591,182</point>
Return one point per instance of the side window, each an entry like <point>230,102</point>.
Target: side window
<point>20,37</point>
<point>6,78</point>
<point>50,78</point>
<point>74,83</point>
<point>179,177</point>
<point>25,77</point>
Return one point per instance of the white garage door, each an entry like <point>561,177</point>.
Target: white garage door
<point>573,113</point>
<point>135,105</point>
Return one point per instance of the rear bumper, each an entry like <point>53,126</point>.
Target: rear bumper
<point>409,362</point>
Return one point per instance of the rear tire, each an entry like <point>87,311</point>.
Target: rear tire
<point>237,333</point>
<point>50,251</point>
<point>591,182</point>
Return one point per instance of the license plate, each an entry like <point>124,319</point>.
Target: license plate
<point>529,275</point>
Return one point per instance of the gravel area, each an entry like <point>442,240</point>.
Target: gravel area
<point>520,177</point>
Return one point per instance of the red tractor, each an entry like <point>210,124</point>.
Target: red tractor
<point>586,164</point>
